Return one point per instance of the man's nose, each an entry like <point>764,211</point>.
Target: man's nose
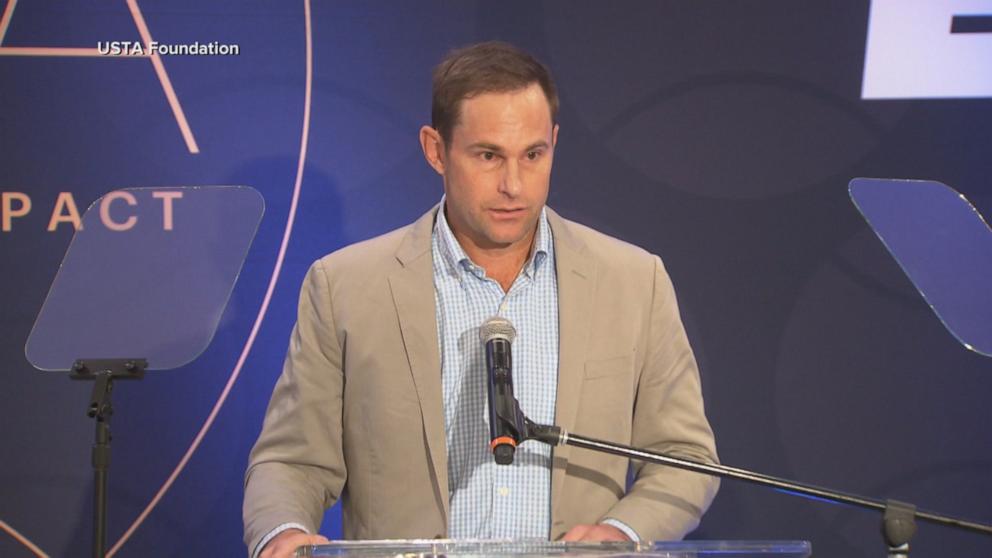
<point>511,183</point>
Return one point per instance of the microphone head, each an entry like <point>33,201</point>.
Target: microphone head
<point>497,328</point>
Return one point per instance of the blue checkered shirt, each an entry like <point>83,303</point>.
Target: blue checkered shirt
<point>489,500</point>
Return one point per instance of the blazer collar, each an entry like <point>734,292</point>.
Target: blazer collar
<point>417,241</point>
<point>412,288</point>
<point>576,292</point>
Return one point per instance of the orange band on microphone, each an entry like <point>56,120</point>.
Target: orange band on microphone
<point>502,440</point>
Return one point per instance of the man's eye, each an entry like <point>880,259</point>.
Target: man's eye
<point>532,155</point>
<point>488,155</point>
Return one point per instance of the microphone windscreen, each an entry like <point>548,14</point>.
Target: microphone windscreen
<point>497,328</point>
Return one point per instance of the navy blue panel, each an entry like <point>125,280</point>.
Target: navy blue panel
<point>971,24</point>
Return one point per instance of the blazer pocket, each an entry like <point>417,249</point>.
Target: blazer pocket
<point>607,367</point>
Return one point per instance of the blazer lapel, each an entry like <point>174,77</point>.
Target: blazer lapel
<point>576,288</point>
<point>413,294</point>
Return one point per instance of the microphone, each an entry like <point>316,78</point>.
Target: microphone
<point>497,334</point>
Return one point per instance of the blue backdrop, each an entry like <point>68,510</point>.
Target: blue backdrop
<point>719,135</point>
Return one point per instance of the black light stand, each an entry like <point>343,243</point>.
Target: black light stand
<point>103,372</point>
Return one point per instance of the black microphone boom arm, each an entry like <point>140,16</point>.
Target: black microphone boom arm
<point>898,525</point>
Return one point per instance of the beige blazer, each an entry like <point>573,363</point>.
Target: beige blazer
<point>357,414</point>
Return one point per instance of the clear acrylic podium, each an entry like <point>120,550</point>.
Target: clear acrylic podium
<point>538,549</point>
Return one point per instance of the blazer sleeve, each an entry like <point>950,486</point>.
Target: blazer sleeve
<point>665,503</point>
<point>296,469</point>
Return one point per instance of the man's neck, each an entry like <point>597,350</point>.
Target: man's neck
<point>503,264</point>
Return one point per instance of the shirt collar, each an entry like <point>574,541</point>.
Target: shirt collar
<point>457,262</point>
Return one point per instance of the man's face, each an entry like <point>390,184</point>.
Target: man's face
<point>497,168</point>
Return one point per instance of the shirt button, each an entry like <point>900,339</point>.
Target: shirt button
<point>503,491</point>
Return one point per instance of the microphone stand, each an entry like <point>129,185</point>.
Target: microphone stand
<point>103,372</point>
<point>899,520</point>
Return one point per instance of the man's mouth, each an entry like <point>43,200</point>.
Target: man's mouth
<point>508,213</point>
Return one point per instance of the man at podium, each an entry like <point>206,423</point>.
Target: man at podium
<point>382,400</point>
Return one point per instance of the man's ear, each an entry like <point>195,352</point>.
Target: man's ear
<point>433,146</point>
<point>554,136</point>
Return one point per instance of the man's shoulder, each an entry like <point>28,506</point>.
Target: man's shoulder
<point>609,251</point>
<point>377,250</point>
<point>383,252</point>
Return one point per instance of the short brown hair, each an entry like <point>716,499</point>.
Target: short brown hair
<point>488,67</point>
